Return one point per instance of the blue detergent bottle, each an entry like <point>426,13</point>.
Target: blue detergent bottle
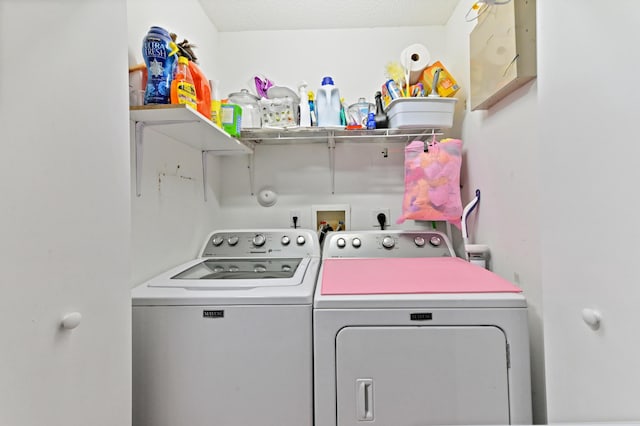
<point>159,53</point>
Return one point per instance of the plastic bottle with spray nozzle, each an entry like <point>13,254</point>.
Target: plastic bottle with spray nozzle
<point>312,108</point>
<point>183,90</point>
<point>216,103</point>
<point>381,119</point>
<point>343,112</point>
<point>305,109</point>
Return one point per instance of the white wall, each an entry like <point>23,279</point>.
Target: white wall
<point>546,184</point>
<point>301,177</point>
<point>65,222</point>
<point>589,174</point>
<point>357,60</point>
<point>171,218</point>
<point>186,19</point>
<point>501,158</point>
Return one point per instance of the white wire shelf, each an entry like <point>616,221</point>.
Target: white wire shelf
<point>296,135</point>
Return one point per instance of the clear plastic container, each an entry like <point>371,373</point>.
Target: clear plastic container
<point>250,108</point>
<point>278,113</point>
<point>359,112</point>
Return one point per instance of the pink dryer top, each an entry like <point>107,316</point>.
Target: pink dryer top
<point>409,276</point>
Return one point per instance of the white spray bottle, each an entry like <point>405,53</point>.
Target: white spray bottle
<point>305,111</point>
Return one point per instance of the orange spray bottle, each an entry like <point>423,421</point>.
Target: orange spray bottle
<point>183,91</point>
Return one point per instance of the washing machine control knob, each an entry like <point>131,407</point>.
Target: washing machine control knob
<point>259,240</point>
<point>341,243</point>
<point>301,240</point>
<point>419,241</point>
<point>356,242</point>
<point>217,240</point>
<point>233,240</point>
<point>285,240</point>
<point>388,242</point>
<point>435,241</point>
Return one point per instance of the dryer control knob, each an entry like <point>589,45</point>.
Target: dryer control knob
<point>301,240</point>
<point>419,241</point>
<point>233,240</point>
<point>259,240</point>
<point>285,240</point>
<point>356,242</point>
<point>435,241</point>
<point>341,243</point>
<point>217,240</point>
<point>388,242</point>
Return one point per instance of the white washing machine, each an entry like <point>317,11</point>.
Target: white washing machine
<point>226,339</point>
<point>406,334</point>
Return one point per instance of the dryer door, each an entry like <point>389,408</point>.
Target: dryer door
<point>405,376</point>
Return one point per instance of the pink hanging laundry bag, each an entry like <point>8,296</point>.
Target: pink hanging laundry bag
<point>432,182</point>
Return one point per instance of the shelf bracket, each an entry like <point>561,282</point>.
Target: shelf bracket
<point>331,144</point>
<point>139,138</point>
<point>252,174</point>
<point>204,174</point>
<point>138,151</point>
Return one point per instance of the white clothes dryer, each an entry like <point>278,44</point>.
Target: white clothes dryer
<point>226,339</point>
<point>407,334</point>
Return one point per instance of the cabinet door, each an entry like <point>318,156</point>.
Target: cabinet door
<point>65,215</point>
<point>422,376</point>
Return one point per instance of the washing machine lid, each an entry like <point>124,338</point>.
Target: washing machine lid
<point>165,290</point>
<point>239,269</point>
<point>241,273</point>
<point>371,276</point>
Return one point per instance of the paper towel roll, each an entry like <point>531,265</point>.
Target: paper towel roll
<point>415,58</point>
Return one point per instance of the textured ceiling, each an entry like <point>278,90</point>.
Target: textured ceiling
<point>265,15</point>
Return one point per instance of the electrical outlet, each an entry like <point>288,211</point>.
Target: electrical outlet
<point>374,217</point>
<point>292,214</point>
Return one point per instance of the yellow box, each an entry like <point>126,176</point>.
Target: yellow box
<point>447,85</point>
